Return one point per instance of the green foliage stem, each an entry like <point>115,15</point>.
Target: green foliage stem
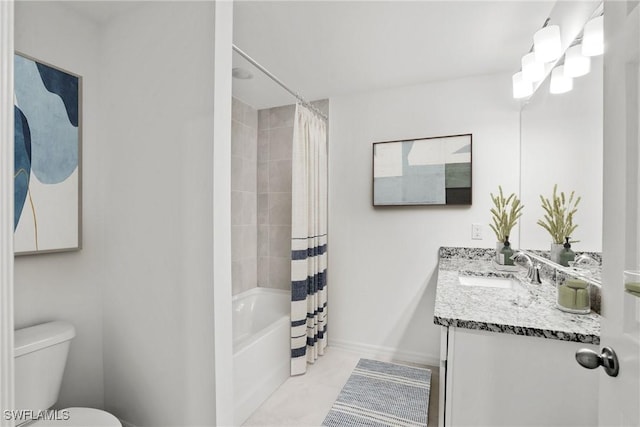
<point>505,214</point>
<point>559,214</point>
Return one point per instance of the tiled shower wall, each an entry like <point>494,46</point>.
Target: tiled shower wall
<point>275,138</point>
<point>244,237</point>
<point>275,134</point>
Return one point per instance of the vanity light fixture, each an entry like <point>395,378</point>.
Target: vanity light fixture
<point>593,38</point>
<point>521,86</point>
<point>547,43</point>
<point>560,82</point>
<point>532,70</point>
<point>575,63</point>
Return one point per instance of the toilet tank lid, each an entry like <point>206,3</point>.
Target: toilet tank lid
<point>37,337</point>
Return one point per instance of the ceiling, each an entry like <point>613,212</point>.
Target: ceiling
<point>329,48</point>
<point>322,49</point>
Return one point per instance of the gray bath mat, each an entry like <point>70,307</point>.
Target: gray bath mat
<point>382,394</point>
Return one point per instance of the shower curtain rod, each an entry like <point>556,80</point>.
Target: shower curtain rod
<point>279,82</point>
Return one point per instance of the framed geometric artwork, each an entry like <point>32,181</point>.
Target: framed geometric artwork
<point>48,166</point>
<point>425,171</point>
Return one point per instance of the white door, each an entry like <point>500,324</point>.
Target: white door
<point>619,403</point>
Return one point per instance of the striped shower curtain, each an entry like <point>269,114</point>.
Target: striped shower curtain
<point>308,240</point>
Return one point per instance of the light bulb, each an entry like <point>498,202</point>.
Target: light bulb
<point>593,37</point>
<point>547,43</point>
<point>560,82</point>
<point>532,70</point>
<point>521,87</point>
<point>575,64</point>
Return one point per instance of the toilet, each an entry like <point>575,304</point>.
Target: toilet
<point>40,356</point>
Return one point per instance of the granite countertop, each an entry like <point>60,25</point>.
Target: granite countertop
<point>527,309</point>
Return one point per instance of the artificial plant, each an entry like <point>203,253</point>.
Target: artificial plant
<point>506,212</point>
<point>559,214</point>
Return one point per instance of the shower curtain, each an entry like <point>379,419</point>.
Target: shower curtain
<point>308,240</point>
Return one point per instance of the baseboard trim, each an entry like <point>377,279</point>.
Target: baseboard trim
<point>386,353</point>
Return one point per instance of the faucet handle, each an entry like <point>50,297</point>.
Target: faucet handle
<point>534,275</point>
<point>583,259</point>
<point>519,255</point>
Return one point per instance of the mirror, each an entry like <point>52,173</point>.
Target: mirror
<point>562,144</point>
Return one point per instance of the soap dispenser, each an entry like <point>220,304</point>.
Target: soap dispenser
<point>506,253</point>
<point>567,254</point>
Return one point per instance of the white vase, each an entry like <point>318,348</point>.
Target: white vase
<point>554,253</point>
<point>499,246</point>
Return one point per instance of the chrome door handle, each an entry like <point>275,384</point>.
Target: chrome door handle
<point>607,359</point>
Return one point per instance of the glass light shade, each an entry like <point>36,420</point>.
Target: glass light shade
<point>521,87</point>
<point>575,64</point>
<point>547,44</point>
<point>560,82</point>
<point>532,70</point>
<point>593,37</point>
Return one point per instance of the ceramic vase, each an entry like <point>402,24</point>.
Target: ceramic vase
<point>554,253</point>
<point>499,246</point>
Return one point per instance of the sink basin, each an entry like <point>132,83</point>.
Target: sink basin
<point>488,282</point>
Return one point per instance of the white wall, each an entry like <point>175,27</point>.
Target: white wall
<point>68,285</point>
<point>383,261</point>
<point>157,62</point>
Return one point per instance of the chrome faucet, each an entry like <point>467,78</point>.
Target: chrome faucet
<point>583,259</point>
<point>533,269</point>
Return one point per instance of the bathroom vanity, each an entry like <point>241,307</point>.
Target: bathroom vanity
<point>507,354</point>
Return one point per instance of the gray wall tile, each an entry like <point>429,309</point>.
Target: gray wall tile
<point>251,146</point>
<point>249,211</point>
<point>280,209</point>
<point>280,143</point>
<point>237,242</point>
<point>244,197</point>
<point>263,209</point>
<point>236,277</point>
<point>280,241</point>
<point>262,177</point>
<point>280,273</point>
<point>250,117</point>
<point>281,116</point>
<point>250,273</point>
<point>280,176</point>
<point>263,119</point>
<point>236,207</point>
<point>237,110</point>
<point>263,271</point>
<point>263,145</point>
<point>249,175</point>
<point>236,138</point>
<point>237,164</point>
<point>263,240</point>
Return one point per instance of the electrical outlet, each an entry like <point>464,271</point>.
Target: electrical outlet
<point>476,231</point>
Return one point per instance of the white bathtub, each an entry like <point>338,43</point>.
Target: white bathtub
<point>261,341</point>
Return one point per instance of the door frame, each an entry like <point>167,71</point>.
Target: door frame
<point>6,211</point>
<point>620,212</point>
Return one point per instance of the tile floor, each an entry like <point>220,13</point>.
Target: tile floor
<point>305,400</point>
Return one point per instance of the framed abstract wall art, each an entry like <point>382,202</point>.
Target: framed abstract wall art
<point>47,176</point>
<point>425,171</point>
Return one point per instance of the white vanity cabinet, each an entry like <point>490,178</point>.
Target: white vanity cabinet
<point>500,379</point>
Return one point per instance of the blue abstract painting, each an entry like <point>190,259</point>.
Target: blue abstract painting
<point>47,157</point>
<point>425,171</point>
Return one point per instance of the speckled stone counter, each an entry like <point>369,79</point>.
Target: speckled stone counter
<point>527,309</point>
